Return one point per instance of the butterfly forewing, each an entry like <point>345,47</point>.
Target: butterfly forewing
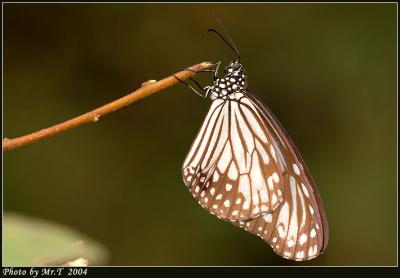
<point>231,168</point>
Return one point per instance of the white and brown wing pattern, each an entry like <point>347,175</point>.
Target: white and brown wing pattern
<point>298,228</point>
<point>243,167</point>
<point>231,167</point>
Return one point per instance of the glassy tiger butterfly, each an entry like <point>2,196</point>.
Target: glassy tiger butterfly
<point>244,168</point>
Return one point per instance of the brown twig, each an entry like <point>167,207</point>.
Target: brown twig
<point>147,89</point>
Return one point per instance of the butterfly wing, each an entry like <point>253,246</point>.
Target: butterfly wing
<point>243,167</point>
<point>298,229</point>
<point>230,168</point>
<point>294,230</point>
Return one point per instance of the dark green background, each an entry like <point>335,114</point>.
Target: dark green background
<point>328,71</point>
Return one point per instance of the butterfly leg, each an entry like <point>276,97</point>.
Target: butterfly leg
<point>191,87</point>
<point>216,71</point>
<point>205,88</point>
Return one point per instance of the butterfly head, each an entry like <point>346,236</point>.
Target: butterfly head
<point>235,68</point>
<point>234,72</point>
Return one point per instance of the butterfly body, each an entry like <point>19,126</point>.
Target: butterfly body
<point>233,82</point>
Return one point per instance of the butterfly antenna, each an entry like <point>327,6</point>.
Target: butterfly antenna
<point>231,44</point>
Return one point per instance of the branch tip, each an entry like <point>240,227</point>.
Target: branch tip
<point>94,115</point>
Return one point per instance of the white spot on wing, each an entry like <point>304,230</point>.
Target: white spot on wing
<point>216,176</point>
<point>212,191</point>
<point>267,217</point>
<point>312,251</point>
<point>272,152</point>
<point>296,169</point>
<point>227,203</point>
<point>275,176</point>
<point>303,239</point>
<point>305,190</point>
<point>311,209</point>
<point>300,255</point>
<point>290,243</point>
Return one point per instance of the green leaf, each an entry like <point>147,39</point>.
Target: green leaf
<point>35,242</point>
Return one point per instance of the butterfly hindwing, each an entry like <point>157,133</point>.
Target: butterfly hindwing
<point>297,229</point>
<point>294,230</point>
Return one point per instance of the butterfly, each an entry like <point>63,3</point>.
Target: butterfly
<point>244,168</point>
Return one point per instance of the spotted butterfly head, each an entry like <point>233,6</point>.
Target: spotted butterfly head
<point>234,72</point>
<point>235,68</point>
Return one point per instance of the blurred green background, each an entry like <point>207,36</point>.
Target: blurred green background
<point>328,72</point>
